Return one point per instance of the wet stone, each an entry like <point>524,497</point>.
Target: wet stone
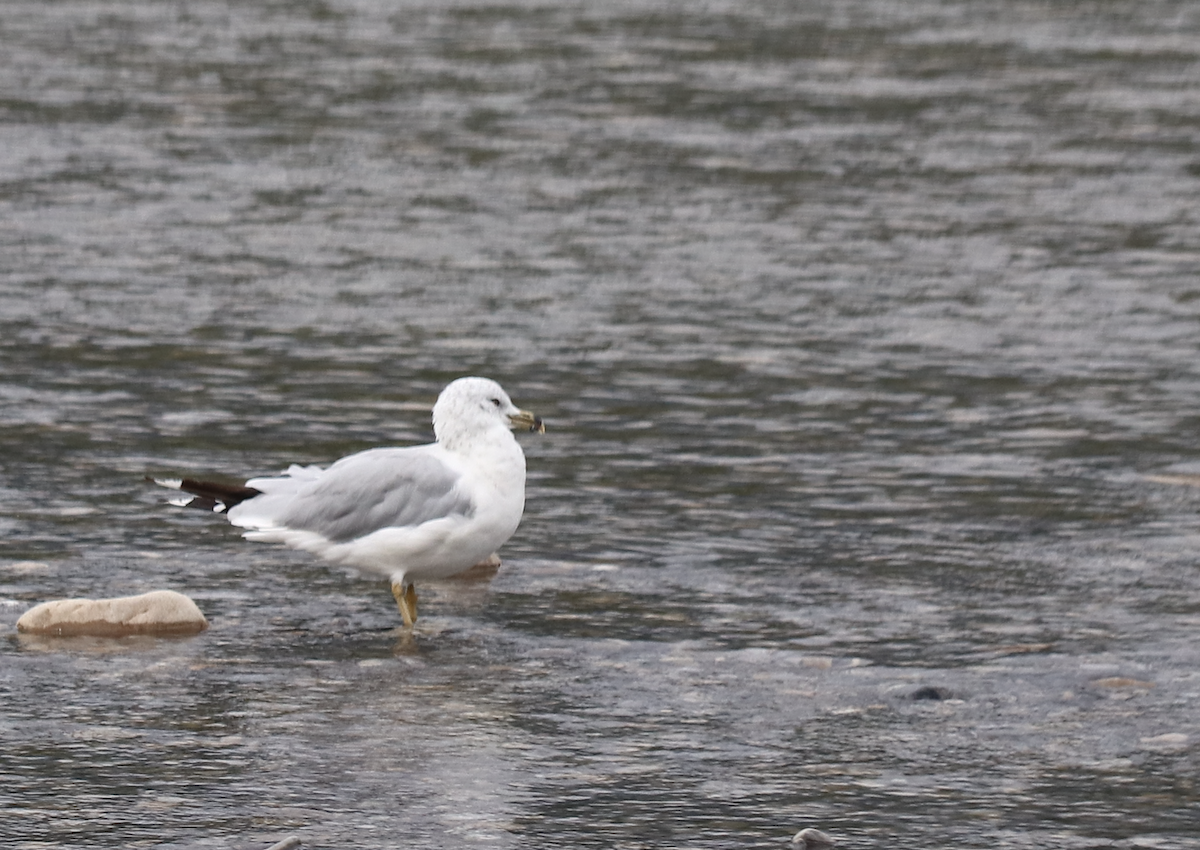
<point>931,692</point>
<point>812,839</point>
<point>160,612</point>
<point>289,843</point>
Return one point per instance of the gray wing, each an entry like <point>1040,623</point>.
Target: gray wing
<point>378,488</point>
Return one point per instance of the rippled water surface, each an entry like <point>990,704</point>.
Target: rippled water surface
<point>866,334</point>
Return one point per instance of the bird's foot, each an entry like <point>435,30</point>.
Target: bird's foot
<point>406,601</point>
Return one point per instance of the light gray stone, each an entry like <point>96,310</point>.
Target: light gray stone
<point>160,612</point>
<point>812,839</point>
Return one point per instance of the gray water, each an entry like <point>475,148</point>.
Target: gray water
<point>866,333</point>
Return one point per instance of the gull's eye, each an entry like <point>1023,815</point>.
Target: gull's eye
<point>496,402</point>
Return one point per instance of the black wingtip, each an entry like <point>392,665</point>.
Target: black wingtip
<point>207,495</point>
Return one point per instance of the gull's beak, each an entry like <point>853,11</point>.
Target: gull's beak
<point>525,419</point>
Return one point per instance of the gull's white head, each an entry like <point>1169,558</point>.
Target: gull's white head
<point>470,408</point>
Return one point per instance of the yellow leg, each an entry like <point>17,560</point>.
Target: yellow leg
<point>406,601</point>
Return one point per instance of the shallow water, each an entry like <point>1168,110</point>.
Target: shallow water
<point>866,335</point>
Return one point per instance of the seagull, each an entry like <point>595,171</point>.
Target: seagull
<point>409,513</point>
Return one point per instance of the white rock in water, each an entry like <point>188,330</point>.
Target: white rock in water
<point>160,612</point>
<point>811,839</point>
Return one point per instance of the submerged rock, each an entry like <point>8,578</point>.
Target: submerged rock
<point>485,570</point>
<point>931,692</point>
<point>160,612</point>
<point>1168,742</point>
<point>811,839</point>
<point>1122,683</point>
<point>289,843</point>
